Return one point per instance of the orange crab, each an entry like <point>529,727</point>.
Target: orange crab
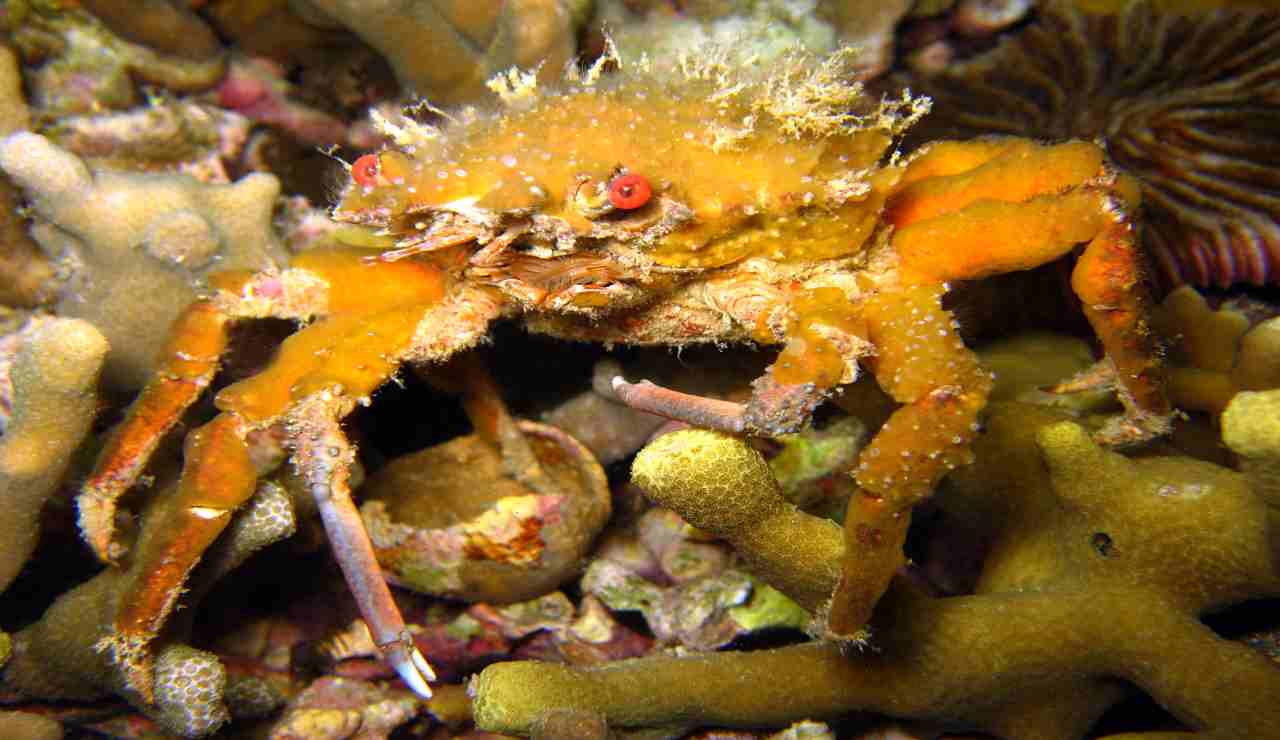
<point>705,203</point>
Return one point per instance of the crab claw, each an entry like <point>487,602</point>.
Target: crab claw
<point>414,669</point>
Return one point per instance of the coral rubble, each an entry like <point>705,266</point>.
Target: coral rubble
<point>449,521</point>
<point>76,64</point>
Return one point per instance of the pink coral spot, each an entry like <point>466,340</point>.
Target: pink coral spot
<point>629,192</point>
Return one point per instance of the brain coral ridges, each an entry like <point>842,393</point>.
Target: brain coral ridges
<point>1184,101</point>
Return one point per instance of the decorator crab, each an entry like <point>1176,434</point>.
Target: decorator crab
<point>708,203</point>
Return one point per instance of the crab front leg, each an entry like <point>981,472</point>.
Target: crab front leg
<point>189,362</point>
<point>217,479</point>
<point>324,457</point>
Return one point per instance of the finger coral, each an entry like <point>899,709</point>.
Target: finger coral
<point>1215,353</point>
<point>55,377</point>
<point>1097,569</point>
<point>137,246</point>
<point>1184,101</point>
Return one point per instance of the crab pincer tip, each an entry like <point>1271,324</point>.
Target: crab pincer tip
<point>414,670</point>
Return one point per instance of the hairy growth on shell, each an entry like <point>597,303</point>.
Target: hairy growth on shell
<point>719,138</point>
<point>1186,102</point>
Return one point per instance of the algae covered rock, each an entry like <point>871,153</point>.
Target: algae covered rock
<point>450,521</point>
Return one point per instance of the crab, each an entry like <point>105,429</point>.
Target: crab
<point>705,203</point>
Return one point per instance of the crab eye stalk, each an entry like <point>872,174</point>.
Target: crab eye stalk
<point>629,192</point>
<point>591,197</point>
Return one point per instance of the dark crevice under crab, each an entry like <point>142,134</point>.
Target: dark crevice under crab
<point>705,204</point>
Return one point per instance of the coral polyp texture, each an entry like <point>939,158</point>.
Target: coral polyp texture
<point>55,378</point>
<point>1183,99</point>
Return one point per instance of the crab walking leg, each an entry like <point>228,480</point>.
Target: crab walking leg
<point>698,411</point>
<point>775,408</point>
<point>1108,282</point>
<point>190,361</point>
<point>324,456</point>
<point>218,477</point>
<point>1027,206</point>
<point>467,375</point>
<point>920,361</point>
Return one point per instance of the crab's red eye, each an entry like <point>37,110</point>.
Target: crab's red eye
<point>365,170</point>
<point>629,192</point>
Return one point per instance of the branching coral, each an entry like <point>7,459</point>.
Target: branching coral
<point>1215,353</point>
<point>1184,101</point>
<point>55,379</point>
<point>137,246</point>
<point>1097,569</point>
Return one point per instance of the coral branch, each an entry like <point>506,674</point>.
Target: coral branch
<point>55,380</point>
<point>717,483</point>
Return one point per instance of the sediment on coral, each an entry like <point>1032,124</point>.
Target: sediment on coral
<point>55,378</point>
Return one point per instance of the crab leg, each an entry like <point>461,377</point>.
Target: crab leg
<point>190,361</point>
<point>324,456</point>
<point>1107,279</point>
<point>920,361</point>
<point>775,408</point>
<point>217,478</point>
<point>467,375</point>
<point>1010,213</point>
